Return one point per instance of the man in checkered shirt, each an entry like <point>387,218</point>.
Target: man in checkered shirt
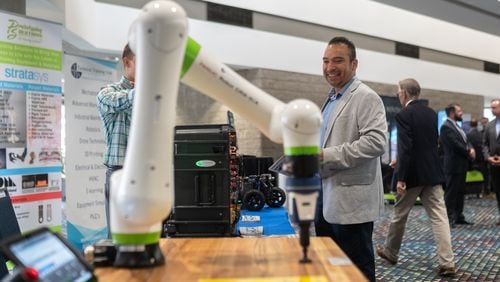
<point>114,102</point>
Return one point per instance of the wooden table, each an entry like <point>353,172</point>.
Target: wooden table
<point>242,259</point>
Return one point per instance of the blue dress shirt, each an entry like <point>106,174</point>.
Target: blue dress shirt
<point>330,106</point>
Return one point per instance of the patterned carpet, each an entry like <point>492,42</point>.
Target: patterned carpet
<point>476,247</point>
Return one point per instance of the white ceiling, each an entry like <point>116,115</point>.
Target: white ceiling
<point>483,15</point>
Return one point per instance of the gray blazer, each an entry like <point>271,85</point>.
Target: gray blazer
<point>491,144</point>
<point>351,173</point>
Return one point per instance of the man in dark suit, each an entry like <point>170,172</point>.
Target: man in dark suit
<point>419,175</point>
<point>457,152</point>
<point>492,149</point>
<point>475,138</point>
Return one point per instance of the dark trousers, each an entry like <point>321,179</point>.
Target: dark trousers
<point>107,184</point>
<point>485,170</point>
<point>354,239</point>
<point>495,184</point>
<point>454,196</point>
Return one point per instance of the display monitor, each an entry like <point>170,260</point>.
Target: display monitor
<point>393,142</point>
<point>441,119</point>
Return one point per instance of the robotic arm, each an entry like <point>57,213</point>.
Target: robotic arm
<point>142,192</point>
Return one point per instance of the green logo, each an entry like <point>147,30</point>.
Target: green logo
<point>24,32</point>
<point>205,163</point>
<point>12,30</point>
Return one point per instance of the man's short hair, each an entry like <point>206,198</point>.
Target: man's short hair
<point>343,40</point>
<point>451,108</point>
<point>127,52</point>
<point>411,87</point>
<point>473,122</point>
<point>495,100</point>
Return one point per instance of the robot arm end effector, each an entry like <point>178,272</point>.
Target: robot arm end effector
<point>301,122</point>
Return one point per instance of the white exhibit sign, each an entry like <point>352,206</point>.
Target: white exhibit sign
<point>85,146</point>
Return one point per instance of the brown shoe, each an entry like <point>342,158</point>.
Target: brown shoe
<point>381,252</point>
<point>447,271</point>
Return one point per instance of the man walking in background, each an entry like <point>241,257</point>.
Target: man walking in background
<point>492,150</point>
<point>457,153</point>
<point>419,174</point>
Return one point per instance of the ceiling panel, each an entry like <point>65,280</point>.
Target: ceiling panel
<point>482,15</point>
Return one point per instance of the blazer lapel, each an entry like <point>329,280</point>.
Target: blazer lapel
<point>494,130</point>
<point>339,107</point>
<point>451,125</point>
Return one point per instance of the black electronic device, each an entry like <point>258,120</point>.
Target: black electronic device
<point>249,165</point>
<point>50,255</point>
<point>206,176</point>
<point>253,165</point>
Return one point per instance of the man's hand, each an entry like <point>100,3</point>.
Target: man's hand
<point>393,163</point>
<point>472,153</point>
<point>401,188</point>
<point>494,160</point>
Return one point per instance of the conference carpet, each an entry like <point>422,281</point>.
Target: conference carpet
<point>476,247</point>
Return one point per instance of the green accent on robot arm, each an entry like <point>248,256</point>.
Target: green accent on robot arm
<point>302,150</point>
<point>192,50</point>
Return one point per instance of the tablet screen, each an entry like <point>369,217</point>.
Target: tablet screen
<point>53,260</point>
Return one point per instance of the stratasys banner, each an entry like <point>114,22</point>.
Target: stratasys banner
<point>30,119</point>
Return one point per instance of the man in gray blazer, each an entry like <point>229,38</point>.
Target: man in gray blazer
<point>352,140</point>
<point>492,149</point>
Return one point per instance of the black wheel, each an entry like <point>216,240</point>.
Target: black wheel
<point>254,200</point>
<point>277,199</point>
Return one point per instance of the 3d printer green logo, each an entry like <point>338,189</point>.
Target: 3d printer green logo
<point>205,163</point>
<point>23,31</point>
